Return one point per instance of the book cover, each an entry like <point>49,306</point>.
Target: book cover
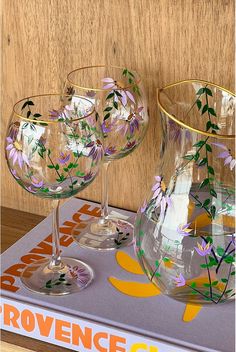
<point>120,311</point>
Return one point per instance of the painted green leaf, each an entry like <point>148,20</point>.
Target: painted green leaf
<point>213,193</point>
<point>202,162</point>
<point>220,251</point>
<point>199,104</point>
<point>109,108</point>
<point>228,291</point>
<point>111,95</point>
<point>230,259</point>
<point>196,156</point>
<point>207,285</point>
<point>233,273</point>
<point>188,157</point>
<point>212,111</point>
<point>213,211</point>
<point>115,104</point>
<point>214,283</point>
<point>107,116</point>
<point>206,202</point>
<point>208,148</point>
<point>204,183</point>
<point>193,284</point>
<point>199,144</point>
<point>208,125</point>
<point>50,166</point>
<point>157,263</point>
<point>157,274</point>
<point>57,167</point>
<point>37,115</point>
<point>203,266</point>
<point>215,127</point>
<point>224,280</point>
<point>200,91</point>
<point>204,109</point>
<point>208,91</point>
<point>211,170</point>
<point>165,259</point>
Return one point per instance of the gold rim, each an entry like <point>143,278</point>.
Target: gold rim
<point>48,95</point>
<point>220,136</point>
<point>99,89</point>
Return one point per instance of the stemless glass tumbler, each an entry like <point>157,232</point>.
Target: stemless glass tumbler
<point>185,231</point>
<point>48,152</point>
<point>120,103</point>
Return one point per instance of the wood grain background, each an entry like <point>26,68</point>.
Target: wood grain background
<point>164,40</point>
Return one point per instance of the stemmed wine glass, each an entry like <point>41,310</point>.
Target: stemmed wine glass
<point>53,150</point>
<point>120,103</point>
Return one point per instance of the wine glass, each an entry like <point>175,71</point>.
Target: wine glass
<point>53,150</point>
<point>120,103</point>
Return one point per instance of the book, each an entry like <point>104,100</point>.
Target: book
<point>121,311</point>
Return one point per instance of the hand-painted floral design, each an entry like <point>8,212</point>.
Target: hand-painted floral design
<point>36,183</point>
<point>118,87</point>
<point>96,151</point>
<point>143,207</point>
<point>16,152</point>
<point>64,158</point>
<point>176,132</point>
<point>180,280</point>
<point>80,274</point>
<point>131,123</point>
<point>130,145</point>
<point>88,177</point>
<point>184,229</point>
<point>160,196</point>
<point>226,155</point>
<point>110,150</point>
<point>204,248</point>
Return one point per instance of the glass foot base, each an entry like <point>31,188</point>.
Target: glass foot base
<point>113,234</point>
<point>73,276</point>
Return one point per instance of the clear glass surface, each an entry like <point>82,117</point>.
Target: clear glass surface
<point>53,150</point>
<point>185,230</point>
<point>121,106</point>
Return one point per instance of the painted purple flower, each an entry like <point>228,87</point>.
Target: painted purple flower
<point>110,150</point>
<point>116,86</point>
<point>179,280</point>
<point>36,183</point>
<point>107,126</point>
<point>64,158</point>
<point>14,173</point>
<point>204,248</point>
<point>14,129</point>
<point>160,197</point>
<point>176,132</point>
<point>88,176</point>
<point>16,153</point>
<point>184,229</point>
<point>96,151</point>
<point>54,114</point>
<point>132,122</point>
<point>226,155</point>
<point>80,274</point>
<point>143,207</point>
<point>130,145</point>
<point>90,94</point>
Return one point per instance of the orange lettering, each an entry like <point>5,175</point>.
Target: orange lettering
<point>44,248</point>
<point>97,337</point>
<point>11,315</point>
<point>45,324</point>
<point>113,344</point>
<point>15,269</point>
<point>31,258</point>
<point>27,320</point>
<point>68,230</point>
<point>7,282</point>
<point>79,336</point>
<point>65,241</point>
<point>48,238</point>
<point>85,210</point>
<point>61,334</point>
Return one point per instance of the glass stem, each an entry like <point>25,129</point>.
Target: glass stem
<point>55,262</point>
<point>104,203</point>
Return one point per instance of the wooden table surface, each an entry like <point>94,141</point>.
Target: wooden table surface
<point>14,224</point>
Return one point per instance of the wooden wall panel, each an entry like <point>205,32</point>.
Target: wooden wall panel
<point>164,40</point>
